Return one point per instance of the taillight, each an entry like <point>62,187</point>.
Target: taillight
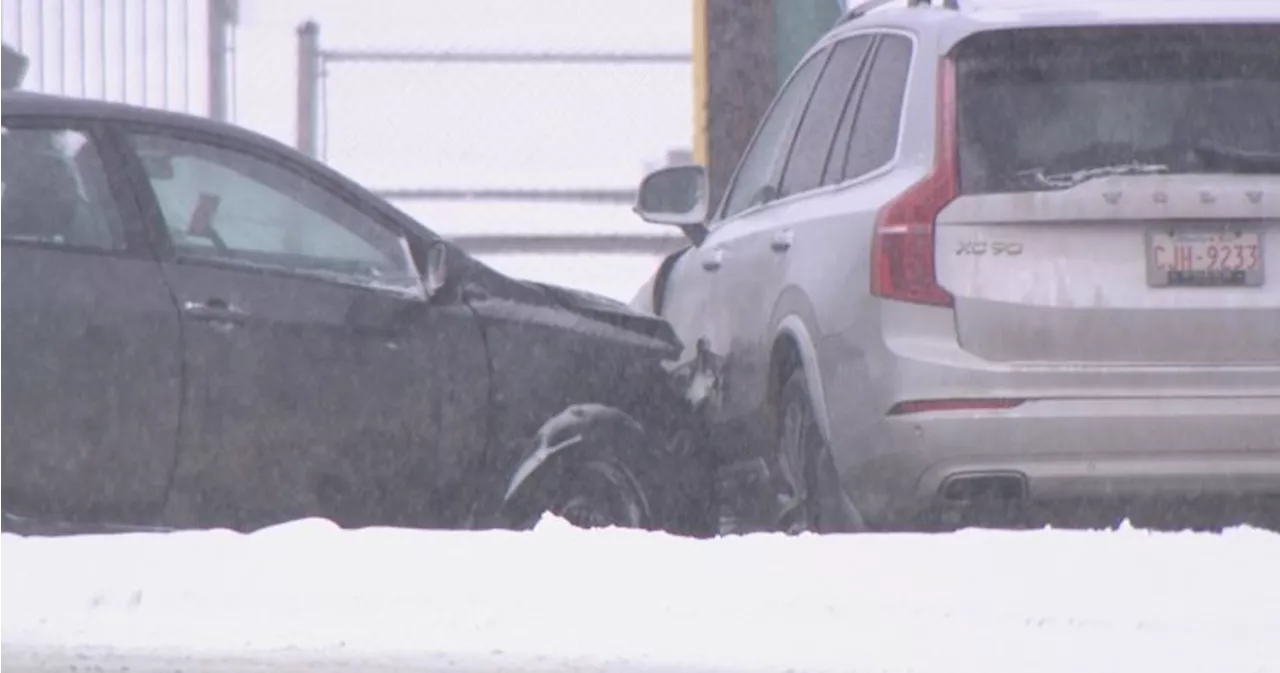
<point>902,252</point>
<point>961,404</point>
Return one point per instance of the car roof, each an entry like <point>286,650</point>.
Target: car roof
<point>29,103</point>
<point>949,26</point>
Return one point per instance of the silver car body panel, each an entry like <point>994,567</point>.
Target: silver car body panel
<point>1118,388</point>
<point>1062,276</point>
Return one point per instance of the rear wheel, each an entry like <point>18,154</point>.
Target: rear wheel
<point>801,453</point>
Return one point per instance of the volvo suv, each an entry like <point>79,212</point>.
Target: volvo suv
<point>1006,262</point>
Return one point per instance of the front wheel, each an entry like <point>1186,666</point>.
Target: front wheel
<point>599,494</point>
<point>596,492</point>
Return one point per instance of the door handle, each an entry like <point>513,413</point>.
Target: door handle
<point>714,261</point>
<point>781,241</point>
<point>214,310</point>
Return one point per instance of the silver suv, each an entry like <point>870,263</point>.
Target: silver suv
<point>1008,262</point>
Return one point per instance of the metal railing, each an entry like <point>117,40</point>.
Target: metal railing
<point>170,54</point>
<point>312,132</point>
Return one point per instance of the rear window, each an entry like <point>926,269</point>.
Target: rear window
<point>1042,109</point>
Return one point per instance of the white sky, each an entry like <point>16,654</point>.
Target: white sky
<point>472,126</point>
<point>488,125</point>
<point>446,125</point>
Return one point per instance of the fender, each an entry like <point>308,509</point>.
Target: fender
<point>651,298</point>
<point>662,276</point>
<point>840,506</point>
<point>569,432</point>
<point>793,326</point>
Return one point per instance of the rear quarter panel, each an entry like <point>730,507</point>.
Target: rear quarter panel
<point>830,273</point>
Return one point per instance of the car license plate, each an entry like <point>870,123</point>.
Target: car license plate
<point>1204,258</point>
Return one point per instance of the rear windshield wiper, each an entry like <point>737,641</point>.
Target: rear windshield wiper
<point>1222,157</point>
<point>1066,180</point>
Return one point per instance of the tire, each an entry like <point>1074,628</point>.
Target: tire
<point>800,453</point>
<point>594,493</point>
<point>601,493</point>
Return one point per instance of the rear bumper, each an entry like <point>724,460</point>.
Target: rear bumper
<point>1121,451</point>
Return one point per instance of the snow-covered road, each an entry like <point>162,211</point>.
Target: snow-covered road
<point>307,596</point>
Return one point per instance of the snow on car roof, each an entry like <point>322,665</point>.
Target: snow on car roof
<point>973,15</point>
<point>1053,12</point>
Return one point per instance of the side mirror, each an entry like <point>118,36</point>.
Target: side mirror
<point>676,195</point>
<point>15,68</point>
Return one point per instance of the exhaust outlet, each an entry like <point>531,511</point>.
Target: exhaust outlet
<point>995,487</point>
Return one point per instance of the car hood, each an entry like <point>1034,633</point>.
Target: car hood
<point>610,311</point>
<point>488,290</point>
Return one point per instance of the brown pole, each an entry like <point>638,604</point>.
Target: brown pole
<point>740,81</point>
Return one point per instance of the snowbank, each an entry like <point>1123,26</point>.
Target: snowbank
<point>299,594</point>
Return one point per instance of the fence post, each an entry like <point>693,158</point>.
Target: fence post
<point>740,80</point>
<point>308,88</point>
<point>219,21</point>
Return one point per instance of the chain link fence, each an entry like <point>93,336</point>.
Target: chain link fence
<point>504,152</point>
<point>170,54</point>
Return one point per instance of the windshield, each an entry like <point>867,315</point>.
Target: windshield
<point>1046,109</point>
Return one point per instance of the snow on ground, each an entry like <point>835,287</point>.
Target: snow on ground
<point>624,601</point>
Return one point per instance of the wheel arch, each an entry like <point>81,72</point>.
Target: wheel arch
<point>568,435</point>
<point>596,432</point>
<point>794,346</point>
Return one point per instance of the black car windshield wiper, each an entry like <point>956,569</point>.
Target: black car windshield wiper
<point>1073,178</point>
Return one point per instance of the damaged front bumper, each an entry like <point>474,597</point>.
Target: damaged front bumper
<point>696,375</point>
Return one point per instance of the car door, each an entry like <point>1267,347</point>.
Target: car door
<point>758,276</point>
<point>322,380</point>
<point>92,347</point>
<point>703,299</point>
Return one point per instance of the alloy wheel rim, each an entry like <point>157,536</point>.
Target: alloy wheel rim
<point>794,464</point>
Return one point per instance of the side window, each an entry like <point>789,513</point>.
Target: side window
<point>56,191</point>
<point>809,153</point>
<point>755,182</point>
<point>874,138</point>
<point>223,204</point>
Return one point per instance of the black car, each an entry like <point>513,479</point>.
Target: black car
<point>204,328</point>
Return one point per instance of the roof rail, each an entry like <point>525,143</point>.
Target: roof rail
<point>860,10</point>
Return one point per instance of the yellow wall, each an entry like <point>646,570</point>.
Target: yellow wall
<point>700,153</point>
